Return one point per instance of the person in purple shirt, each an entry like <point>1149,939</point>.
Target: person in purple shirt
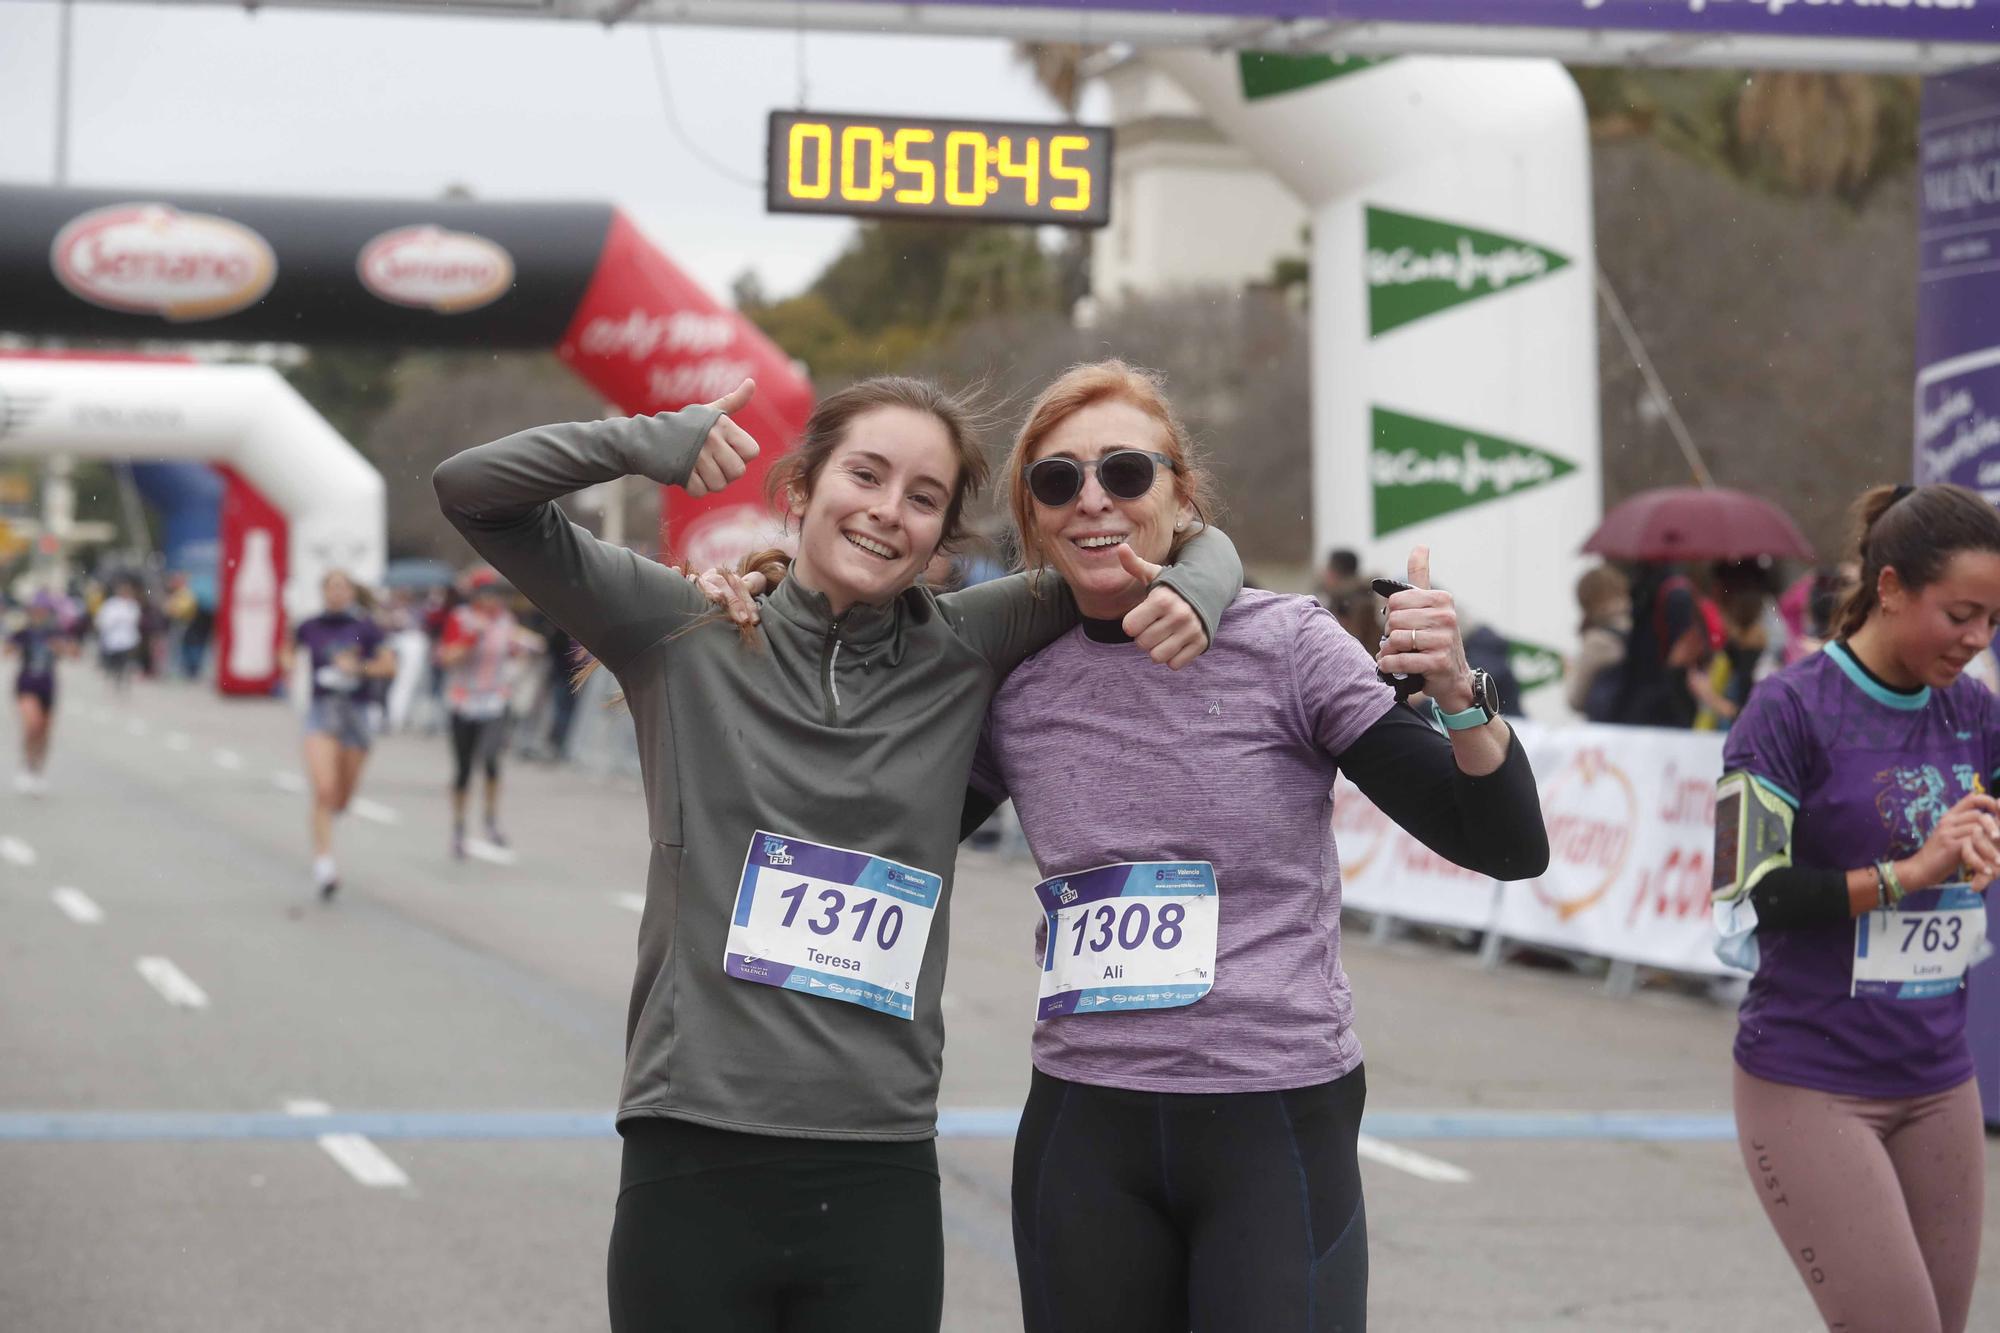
<point>1855,832</point>
<point>1187,1153</point>
<point>347,652</point>
<point>36,646</point>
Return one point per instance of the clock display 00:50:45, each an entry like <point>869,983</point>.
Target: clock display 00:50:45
<point>870,160</point>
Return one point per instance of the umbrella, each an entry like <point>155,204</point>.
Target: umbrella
<point>1690,523</point>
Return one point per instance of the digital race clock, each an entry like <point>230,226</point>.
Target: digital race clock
<point>985,170</point>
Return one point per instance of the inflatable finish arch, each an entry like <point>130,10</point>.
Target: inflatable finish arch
<point>299,500</point>
<point>579,278</point>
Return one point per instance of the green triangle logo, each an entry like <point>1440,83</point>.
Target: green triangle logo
<point>1421,469</point>
<point>1271,74</point>
<point>1419,266</point>
<point>1534,665</point>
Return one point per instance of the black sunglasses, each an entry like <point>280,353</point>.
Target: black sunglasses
<point>1124,473</point>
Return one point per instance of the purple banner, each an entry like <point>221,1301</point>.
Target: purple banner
<point>1886,20</point>
<point>1958,294</point>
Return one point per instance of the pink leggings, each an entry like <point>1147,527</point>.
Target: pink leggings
<point>1877,1202</point>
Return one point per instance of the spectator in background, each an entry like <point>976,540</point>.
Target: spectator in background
<point>180,609</point>
<point>1344,591</point>
<point>1488,650</point>
<point>118,623</point>
<point>1604,596</point>
<point>1674,631</point>
<point>1749,650</point>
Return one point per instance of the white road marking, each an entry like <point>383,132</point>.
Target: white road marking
<point>632,902</point>
<point>364,1161</point>
<point>174,985</point>
<point>178,740</point>
<point>286,780</point>
<point>77,906</point>
<point>228,759</point>
<point>374,811</point>
<point>15,852</point>
<point>1415,1163</point>
<point>482,850</point>
<point>136,726</point>
<point>356,1153</point>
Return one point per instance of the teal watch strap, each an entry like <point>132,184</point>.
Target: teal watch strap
<point>1475,716</point>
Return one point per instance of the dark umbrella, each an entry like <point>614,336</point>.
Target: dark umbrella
<point>1690,523</point>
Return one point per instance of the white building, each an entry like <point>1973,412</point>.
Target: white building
<point>1192,209</point>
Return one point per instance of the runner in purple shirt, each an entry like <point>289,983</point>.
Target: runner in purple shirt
<point>1187,1153</point>
<point>36,646</point>
<point>1854,834</point>
<point>346,652</point>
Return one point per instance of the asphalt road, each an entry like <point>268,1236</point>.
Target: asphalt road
<point>225,1107</point>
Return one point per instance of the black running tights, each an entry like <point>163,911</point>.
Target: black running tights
<point>1164,1212</point>
<point>719,1232</point>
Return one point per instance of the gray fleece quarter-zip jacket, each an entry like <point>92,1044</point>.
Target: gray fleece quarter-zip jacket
<point>854,731</point>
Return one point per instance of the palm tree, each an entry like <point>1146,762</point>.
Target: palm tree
<point>1058,69</point>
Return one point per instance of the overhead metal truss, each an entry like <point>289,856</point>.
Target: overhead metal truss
<point>1079,23</point>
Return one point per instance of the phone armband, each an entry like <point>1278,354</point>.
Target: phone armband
<point>1753,835</point>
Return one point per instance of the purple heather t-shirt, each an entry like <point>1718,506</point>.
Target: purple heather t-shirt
<point>1870,771</point>
<point>325,637</point>
<point>1110,757</point>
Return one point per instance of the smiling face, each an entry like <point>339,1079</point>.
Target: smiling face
<point>1938,629</point>
<point>876,511</point>
<point>1081,539</point>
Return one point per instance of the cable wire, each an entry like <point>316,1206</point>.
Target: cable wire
<point>674,120</point>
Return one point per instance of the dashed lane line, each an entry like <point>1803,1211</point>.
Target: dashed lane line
<point>356,1153</point>
<point>77,906</point>
<point>174,985</point>
<point>1369,1148</point>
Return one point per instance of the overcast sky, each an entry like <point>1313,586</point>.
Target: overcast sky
<point>204,98</point>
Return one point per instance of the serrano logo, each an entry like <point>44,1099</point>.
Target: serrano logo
<point>429,268</point>
<point>1591,809</point>
<point>154,260</point>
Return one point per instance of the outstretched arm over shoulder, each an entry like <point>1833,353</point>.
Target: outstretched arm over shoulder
<point>1008,620</point>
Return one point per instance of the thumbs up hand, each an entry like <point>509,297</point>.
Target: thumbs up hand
<point>726,453</point>
<point>1422,638</point>
<point>1164,624</point>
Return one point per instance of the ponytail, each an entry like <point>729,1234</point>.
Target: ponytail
<point>1915,530</point>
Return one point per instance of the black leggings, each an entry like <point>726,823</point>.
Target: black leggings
<point>743,1233</point>
<point>475,741</point>
<point>1152,1212</point>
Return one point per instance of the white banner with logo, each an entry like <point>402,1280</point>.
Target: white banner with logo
<point>1631,820</point>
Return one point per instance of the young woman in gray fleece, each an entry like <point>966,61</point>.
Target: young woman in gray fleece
<point>804,782</point>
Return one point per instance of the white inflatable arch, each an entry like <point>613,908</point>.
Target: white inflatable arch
<point>300,501</point>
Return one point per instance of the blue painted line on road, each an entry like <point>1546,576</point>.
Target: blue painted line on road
<point>964,1123</point>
